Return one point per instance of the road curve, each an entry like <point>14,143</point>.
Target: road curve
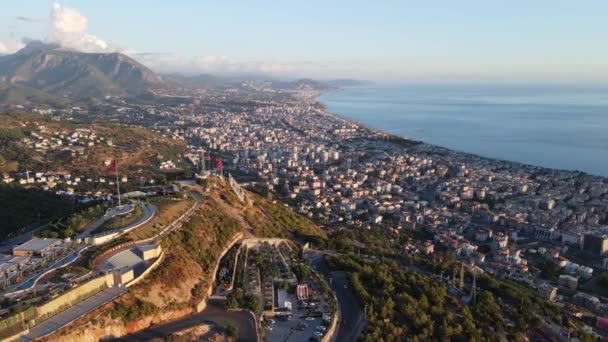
<point>214,313</point>
<point>352,321</point>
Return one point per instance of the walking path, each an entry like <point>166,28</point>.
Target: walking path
<point>109,214</point>
<point>73,313</point>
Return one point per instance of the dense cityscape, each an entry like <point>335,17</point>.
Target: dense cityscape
<point>306,171</point>
<point>540,227</point>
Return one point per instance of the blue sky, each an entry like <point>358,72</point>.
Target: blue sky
<point>517,40</point>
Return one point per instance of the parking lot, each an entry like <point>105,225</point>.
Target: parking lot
<point>298,328</point>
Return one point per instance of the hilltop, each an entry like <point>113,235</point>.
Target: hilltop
<point>192,252</point>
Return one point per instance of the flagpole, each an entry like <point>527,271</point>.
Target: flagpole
<point>117,183</point>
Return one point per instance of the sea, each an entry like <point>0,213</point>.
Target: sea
<point>554,126</point>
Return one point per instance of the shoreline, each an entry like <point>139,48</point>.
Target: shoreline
<point>315,100</point>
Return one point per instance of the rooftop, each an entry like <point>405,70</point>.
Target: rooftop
<point>36,244</point>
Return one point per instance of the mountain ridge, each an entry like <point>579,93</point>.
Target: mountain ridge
<point>62,72</point>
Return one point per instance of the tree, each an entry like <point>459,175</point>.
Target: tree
<point>231,302</point>
<point>487,312</point>
<point>232,331</point>
<point>252,303</point>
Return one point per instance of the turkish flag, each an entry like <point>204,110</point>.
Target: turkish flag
<point>112,166</point>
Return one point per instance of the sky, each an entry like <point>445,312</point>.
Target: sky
<point>434,40</point>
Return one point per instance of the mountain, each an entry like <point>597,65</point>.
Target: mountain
<point>55,71</point>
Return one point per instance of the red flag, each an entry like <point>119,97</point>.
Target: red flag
<point>218,164</point>
<point>112,166</point>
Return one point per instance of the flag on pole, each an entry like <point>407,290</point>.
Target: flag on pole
<point>112,166</point>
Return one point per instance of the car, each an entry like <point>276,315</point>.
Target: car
<point>321,328</point>
<point>310,318</point>
<point>318,333</point>
<point>269,328</point>
<point>270,320</point>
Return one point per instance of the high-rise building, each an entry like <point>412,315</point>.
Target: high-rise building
<point>595,243</point>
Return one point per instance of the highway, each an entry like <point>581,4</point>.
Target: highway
<point>214,314</point>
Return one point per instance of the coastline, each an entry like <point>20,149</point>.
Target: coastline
<point>443,149</point>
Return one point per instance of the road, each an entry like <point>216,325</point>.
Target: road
<point>31,281</point>
<point>353,318</point>
<point>73,313</point>
<point>214,314</point>
<point>352,321</point>
<point>108,215</point>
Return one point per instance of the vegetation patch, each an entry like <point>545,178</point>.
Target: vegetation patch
<point>28,207</point>
<point>132,310</point>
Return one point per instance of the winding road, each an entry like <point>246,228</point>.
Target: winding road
<point>214,314</point>
<point>352,321</point>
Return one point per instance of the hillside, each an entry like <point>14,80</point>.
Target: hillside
<point>29,142</point>
<point>191,254</point>
<point>12,94</point>
<point>59,72</point>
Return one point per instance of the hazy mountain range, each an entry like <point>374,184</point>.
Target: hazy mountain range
<point>48,74</point>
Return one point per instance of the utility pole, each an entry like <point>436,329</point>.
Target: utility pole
<point>461,276</point>
<point>474,288</point>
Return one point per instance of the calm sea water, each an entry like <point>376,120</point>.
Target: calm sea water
<point>552,126</point>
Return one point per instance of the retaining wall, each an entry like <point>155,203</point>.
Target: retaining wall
<point>73,296</point>
<point>203,304</point>
<point>147,271</point>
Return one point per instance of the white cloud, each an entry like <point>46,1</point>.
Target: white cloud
<point>166,62</point>
<point>28,19</point>
<point>68,29</point>
<point>10,47</point>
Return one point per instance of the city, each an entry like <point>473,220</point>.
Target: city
<point>153,196</point>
